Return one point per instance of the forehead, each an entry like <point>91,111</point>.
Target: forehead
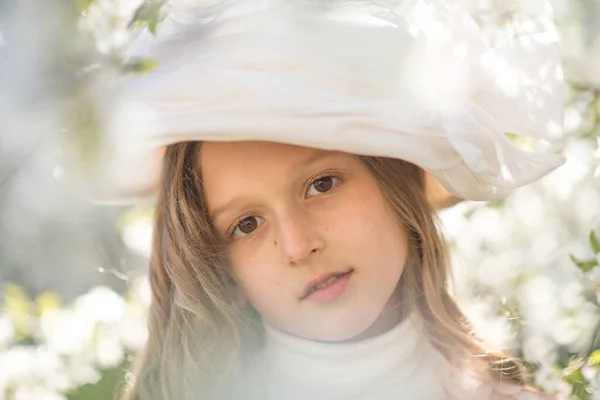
<point>229,168</point>
<point>212,152</point>
<point>250,157</point>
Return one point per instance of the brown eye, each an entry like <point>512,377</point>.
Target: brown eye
<point>322,185</point>
<point>247,226</point>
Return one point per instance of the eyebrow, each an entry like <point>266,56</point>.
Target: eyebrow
<point>316,156</point>
<point>219,210</point>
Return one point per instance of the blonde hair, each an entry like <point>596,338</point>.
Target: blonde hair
<point>197,329</point>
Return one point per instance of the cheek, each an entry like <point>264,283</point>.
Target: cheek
<point>367,220</point>
<point>368,235</point>
<point>259,275</point>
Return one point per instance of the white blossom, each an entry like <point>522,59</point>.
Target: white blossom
<point>108,21</point>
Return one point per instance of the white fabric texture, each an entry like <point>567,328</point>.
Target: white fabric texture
<point>398,364</point>
<point>415,80</point>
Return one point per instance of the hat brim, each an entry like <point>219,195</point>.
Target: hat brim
<point>437,195</point>
<point>133,191</point>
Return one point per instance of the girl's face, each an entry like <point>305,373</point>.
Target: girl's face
<point>292,217</point>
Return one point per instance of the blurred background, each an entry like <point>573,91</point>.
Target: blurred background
<point>73,290</point>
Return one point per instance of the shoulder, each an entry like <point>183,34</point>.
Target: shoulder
<point>246,380</point>
<point>466,384</point>
<point>513,392</point>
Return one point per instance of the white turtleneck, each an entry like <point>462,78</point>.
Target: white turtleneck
<point>378,368</point>
<point>398,364</point>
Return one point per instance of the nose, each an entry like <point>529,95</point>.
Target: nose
<point>299,237</point>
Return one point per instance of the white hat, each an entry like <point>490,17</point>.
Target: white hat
<point>413,80</point>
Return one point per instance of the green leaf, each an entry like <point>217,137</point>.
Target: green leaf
<point>518,140</point>
<point>83,134</point>
<point>47,301</point>
<point>141,66</point>
<point>594,242</point>
<point>595,358</point>
<point>581,391</point>
<point>574,376</point>
<point>108,387</point>
<point>496,203</point>
<point>152,25</point>
<point>579,384</point>
<point>584,266</point>
<point>149,13</point>
<point>83,5</point>
<point>18,308</point>
<point>148,10</point>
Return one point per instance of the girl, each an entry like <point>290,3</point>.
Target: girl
<point>298,152</point>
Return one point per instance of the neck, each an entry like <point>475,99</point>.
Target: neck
<point>392,315</point>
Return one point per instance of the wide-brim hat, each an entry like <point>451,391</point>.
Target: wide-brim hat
<point>413,80</point>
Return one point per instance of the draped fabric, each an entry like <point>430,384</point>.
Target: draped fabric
<point>415,80</point>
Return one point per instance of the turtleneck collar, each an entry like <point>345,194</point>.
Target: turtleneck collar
<point>399,361</point>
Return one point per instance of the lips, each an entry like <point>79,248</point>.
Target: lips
<point>321,281</point>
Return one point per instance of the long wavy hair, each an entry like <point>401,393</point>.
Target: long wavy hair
<point>198,331</point>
